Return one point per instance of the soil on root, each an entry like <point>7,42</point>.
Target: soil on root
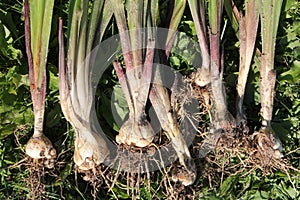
<point>238,153</point>
<point>138,167</point>
<point>231,151</point>
<point>133,168</point>
<point>38,175</point>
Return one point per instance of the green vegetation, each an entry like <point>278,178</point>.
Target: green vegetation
<point>236,168</point>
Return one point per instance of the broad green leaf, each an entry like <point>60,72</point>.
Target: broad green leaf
<point>269,13</point>
<point>294,44</point>
<point>292,75</point>
<point>40,23</point>
<point>175,60</point>
<point>7,130</point>
<point>119,106</point>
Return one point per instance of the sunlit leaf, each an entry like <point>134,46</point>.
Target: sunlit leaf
<point>40,22</point>
<point>292,75</point>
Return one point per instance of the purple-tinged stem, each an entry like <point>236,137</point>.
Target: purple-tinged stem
<point>123,82</point>
<point>37,94</point>
<point>220,113</point>
<point>147,72</point>
<point>201,31</point>
<point>170,44</point>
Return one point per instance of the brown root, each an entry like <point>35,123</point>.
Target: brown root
<point>241,153</point>
<point>269,143</point>
<point>35,180</point>
<point>38,175</point>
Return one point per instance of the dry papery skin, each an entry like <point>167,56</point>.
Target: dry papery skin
<point>90,149</point>
<point>140,161</point>
<point>254,151</point>
<point>136,132</point>
<point>41,148</point>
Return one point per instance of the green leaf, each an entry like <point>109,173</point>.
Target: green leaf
<point>24,80</point>
<point>12,90</point>
<point>191,26</point>
<point>8,99</point>
<point>292,192</point>
<point>66,171</point>
<point>269,13</point>
<point>7,130</point>
<point>177,13</point>
<point>175,60</point>
<point>40,24</point>
<point>53,82</point>
<point>145,194</point>
<point>119,105</point>
<point>120,193</point>
<point>7,42</point>
<point>228,185</point>
<point>183,43</point>
<point>292,75</point>
<point>294,44</point>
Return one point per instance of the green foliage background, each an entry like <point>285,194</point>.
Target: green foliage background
<point>16,116</point>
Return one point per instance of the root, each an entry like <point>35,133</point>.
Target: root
<point>240,152</point>
<point>95,177</point>
<point>36,180</point>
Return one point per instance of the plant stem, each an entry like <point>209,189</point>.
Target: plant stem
<point>37,93</point>
<point>90,147</point>
<point>201,31</point>
<point>269,14</point>
<point>216,69</point>
<point>123,82</point>
<point>248,32</point>
<point>161,102</point>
